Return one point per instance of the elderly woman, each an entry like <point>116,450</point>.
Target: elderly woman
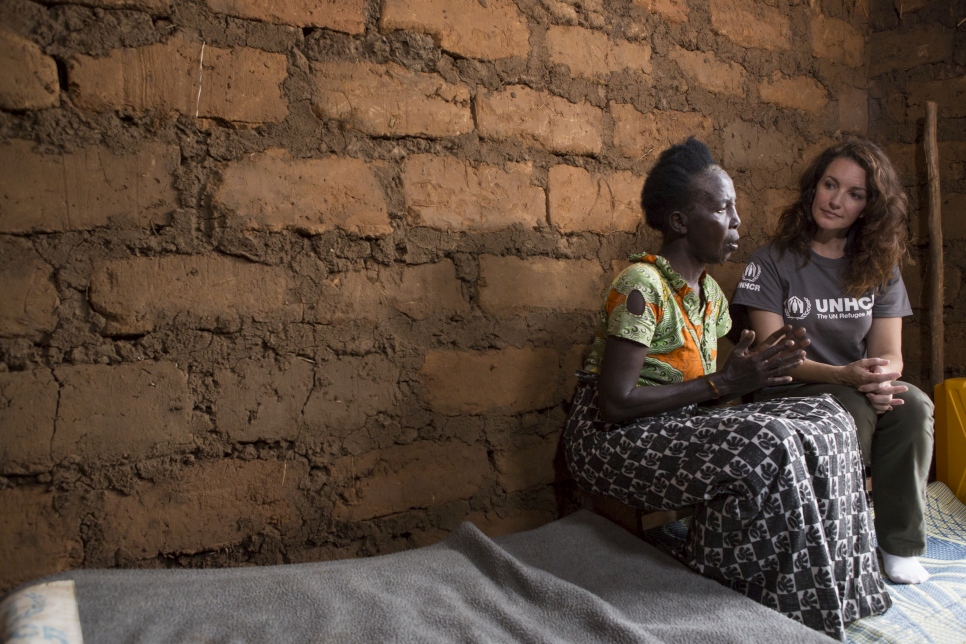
<point>833,268</point>
<point>781,510</point>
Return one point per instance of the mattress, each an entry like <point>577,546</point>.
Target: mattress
<point>578,579</point>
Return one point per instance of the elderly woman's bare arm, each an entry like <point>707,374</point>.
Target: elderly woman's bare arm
<point>622,400</point>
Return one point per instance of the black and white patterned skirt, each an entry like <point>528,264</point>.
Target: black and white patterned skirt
<point>782,515</point>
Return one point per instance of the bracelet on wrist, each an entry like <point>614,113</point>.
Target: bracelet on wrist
<point>714,388</point>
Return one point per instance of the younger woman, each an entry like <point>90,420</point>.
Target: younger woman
<point>833,268</point>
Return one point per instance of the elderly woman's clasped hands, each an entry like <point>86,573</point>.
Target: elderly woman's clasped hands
<point>752,367</point>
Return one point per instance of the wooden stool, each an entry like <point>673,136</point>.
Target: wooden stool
<point>637,520</point>
<point>634,520</point>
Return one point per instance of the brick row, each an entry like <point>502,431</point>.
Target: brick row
<point>86,189</point>
<point>99,412</point>
<point>591,54</point>
<point>29,80</point>
<point>837,40</point>
<point>272,191</point>
<point>638,135</point>
<point>450,194</point>
<point>37,540</point>
<point>390,100</point>
<point>708,72</point>
<point>751,24</point>
<point>211,506</point>
<point>282,400</point>
<point>139,294</point>
<point>494,29</point>
<point>240,84</point>
<point>348,16</point>
<point>399,478</point>
<point>27,290</point>
<point>928,44</point>
<point>799,92</point>
<point>504,381</point>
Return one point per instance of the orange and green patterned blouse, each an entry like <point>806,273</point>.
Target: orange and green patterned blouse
<point>681,336</point>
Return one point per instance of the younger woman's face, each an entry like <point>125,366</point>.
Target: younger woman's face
<point>840,197</point>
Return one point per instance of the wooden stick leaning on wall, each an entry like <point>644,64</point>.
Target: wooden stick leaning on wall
<point>935,247</point>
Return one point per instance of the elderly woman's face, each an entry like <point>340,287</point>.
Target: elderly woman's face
<point>713,220</point>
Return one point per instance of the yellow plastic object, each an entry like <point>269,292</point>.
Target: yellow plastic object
<point>951,435</point>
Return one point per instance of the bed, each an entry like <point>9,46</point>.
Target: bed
<point>578,579</point>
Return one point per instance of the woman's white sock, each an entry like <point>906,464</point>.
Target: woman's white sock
<point>903,570</point>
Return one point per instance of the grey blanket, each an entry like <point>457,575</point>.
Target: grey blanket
<point>579,579</point>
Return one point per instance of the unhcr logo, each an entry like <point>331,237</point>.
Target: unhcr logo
<point>844,304</point>
<point>797,308</point>
<point>752,272</point>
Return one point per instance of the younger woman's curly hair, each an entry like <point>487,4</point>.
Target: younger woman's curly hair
<point>877,240</point>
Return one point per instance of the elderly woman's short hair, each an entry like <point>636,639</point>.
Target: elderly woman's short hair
<point>668,186</point>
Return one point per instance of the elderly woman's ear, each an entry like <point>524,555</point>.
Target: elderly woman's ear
<point>677,223</point>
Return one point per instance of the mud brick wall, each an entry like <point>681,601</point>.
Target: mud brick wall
<point>918,49</point>
<point>295,281</point>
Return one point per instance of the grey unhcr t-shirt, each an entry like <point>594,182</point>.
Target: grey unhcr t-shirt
<point>812,296</point>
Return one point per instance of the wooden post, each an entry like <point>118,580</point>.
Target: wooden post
<point>935,247</point>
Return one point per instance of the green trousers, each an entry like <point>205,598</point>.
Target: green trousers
<point>898,446</point>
